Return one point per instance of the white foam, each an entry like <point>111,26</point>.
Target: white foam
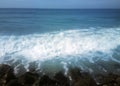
<point>60,44</point>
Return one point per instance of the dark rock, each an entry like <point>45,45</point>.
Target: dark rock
<point>118,80</point>
<point>33,67</point>
<point>6,73</point>
<point>28,78</point>
<point>104,85</point>
<point>14,83</point>
<point>62,79</point>
<point>80,79</point>
<point>76,78</point>
<point>99,78</point>
<point>20,70</point>
<point>46,81</point>
<point>110,79</point>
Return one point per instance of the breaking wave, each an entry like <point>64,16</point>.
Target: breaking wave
<point>70,46</point>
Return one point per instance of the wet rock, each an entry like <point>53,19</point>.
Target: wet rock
<point>74,73</point>
<point>104,85</point>
<point>28,79</point>
<point>14,83</point>
<point>110,79</point>
<point>20,70</point>
<point>6,73</point>
<point>81,79</point>
<point>62,79</point>
<point>99,79</point>
<point>46,81</point>
<point>33,67</point>
<point>118,80</point>
<point>75,77</point>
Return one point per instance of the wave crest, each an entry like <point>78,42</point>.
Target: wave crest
<point>61,44</point>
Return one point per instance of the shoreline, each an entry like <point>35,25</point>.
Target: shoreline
<point>74,77</point>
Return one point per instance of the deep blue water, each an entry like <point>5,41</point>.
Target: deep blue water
<point>27,21</point>
<point>55,39</point>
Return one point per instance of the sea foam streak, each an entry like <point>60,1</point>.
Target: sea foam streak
<point>82,43</point>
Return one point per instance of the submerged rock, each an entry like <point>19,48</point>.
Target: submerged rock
<point>20,70</point>
<point>33,67</point>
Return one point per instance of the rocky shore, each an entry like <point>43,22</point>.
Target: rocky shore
<point>74,77</point>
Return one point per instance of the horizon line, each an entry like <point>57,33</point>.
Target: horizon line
<point>53,8</point>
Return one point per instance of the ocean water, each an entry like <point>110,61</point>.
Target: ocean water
<point>55,39</point>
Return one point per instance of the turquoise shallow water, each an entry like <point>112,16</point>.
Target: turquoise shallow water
<point>56,39</point>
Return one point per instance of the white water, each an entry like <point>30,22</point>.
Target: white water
<point>82,43</point>
<point>64,43</point>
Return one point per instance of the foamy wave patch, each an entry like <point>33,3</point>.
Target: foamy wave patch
<point>61,44</point>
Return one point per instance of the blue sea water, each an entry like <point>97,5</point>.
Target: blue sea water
<point>28,21</point>
<point>86,38</point>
